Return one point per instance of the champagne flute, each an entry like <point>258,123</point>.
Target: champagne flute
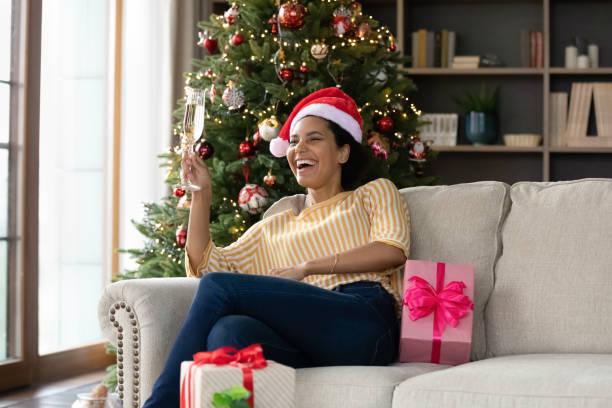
<point>193,126</point>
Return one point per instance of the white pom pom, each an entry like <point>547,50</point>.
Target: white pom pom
<point>278,147</point>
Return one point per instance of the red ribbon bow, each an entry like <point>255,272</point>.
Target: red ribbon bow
<point>448,304</point>
<point>248,359</point>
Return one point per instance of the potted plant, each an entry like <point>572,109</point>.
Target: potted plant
<point>480,115</point>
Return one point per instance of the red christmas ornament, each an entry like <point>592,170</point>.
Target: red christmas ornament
<point>286,74</point>
<point>341,22</point>
<point>211,45</point>
<point>303,68</point>
<point>291,15</point>
<point>204,149</point>
<point>181,236</point>
<point>392,47</point>
<point>418,150</point>
<point>246,149</point>
<point>385,124</point>
<point>231,14</point>
<point>269,179</point>
<point>237,39</point>
<point>179,192</point>
<point>273,21</point>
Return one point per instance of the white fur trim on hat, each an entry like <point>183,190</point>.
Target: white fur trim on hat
<point>329,112</point>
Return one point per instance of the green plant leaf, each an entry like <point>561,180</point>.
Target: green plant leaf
<point>480,101</point>
<point>240,404</point>
<point>221,400</point>
<point>237,392</point>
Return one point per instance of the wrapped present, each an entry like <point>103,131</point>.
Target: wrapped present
<point>270,384</point>
<point>434,299</point>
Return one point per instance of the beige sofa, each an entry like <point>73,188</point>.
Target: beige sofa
<point>542,334</point>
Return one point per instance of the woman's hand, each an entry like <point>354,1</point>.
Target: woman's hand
<point>194,169</point>
<point>297,272</point>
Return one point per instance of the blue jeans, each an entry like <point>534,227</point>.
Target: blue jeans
<point>297,324</point>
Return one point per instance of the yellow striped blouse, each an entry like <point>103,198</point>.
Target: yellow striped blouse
<point>373,212</point>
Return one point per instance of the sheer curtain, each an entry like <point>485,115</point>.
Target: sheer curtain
<point>159,41</point>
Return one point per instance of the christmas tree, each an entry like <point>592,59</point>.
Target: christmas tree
<point>263,57</point>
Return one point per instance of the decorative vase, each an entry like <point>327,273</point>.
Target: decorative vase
<point>480,128</point>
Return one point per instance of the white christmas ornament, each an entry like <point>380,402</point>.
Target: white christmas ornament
<point>252,198</point>
<point>232,97</point>
<point>269,128</point>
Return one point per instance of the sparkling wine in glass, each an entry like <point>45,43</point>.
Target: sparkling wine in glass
<point>193,126</point>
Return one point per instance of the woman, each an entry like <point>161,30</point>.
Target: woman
<point>315,286</point>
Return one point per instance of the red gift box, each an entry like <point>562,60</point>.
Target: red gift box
<point>437,312</point>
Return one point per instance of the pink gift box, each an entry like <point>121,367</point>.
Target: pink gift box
<point>440,293</point>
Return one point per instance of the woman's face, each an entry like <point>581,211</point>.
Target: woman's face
<point>313,155</point>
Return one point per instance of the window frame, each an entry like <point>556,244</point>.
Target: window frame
<point>23,147</point>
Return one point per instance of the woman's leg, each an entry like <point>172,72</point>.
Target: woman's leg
<point>241,331</point>
<point>328,327</point>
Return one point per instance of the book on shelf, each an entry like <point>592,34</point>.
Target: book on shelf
<point>557,117</point>
<point>582,94</point>
<point>433,49</point>
<point>422,48</point>
<point>602,98</point>
<point>466,61</point>
<point>415,47</point>
<point>452,41</point>
<point>532,48</point>
<point>444,49</point>
<point>437,63</point>
<point>430,48</point>
<point>525,48</point>
<point>539,50</point>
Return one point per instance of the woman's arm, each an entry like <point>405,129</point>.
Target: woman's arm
<point>198,231</point>
<point>373,257</point>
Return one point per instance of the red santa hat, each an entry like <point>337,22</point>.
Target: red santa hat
<point>329,103</point>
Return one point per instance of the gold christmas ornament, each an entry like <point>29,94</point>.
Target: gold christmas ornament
<point>319,50</point>
<point>269,128</point>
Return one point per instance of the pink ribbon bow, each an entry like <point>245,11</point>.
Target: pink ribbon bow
<point>448,304</point>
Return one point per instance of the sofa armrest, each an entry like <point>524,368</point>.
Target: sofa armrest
<point>142,317</point>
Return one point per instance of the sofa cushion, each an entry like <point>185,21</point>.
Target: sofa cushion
<point>525,381</point>
<point>460,224</point>
<point>353,386</point>
<point>554,278</point>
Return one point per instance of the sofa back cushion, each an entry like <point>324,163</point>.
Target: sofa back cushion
<point>460,224</point>
<point>554,278</point>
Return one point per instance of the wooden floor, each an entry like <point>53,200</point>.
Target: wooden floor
<point>51,395</point>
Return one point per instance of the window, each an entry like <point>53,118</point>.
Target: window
<point>6,28</point>
<point>71,172</point>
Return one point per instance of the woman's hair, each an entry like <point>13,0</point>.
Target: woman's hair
<point>357,164</point>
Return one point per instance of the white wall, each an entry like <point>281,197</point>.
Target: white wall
<point>146,107</point>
